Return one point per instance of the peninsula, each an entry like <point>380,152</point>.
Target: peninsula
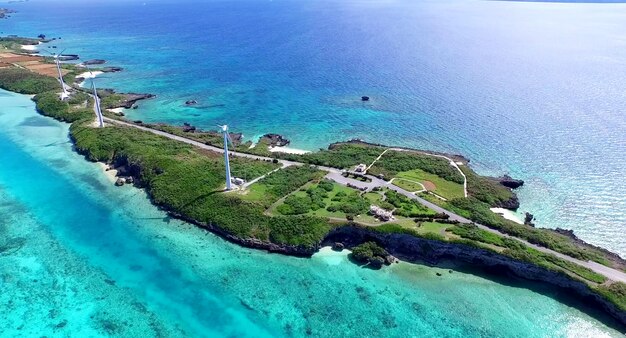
<point>383,202</point>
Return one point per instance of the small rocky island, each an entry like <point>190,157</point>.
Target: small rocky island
<point>5,13</point>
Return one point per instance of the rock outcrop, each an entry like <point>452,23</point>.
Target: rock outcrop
<point>4,13</point>
<point>511,204</point>
<point>528,219</point>
<point>68,57</point>
<point>111,69</point>
<point>93,62</point>
<point>188,128</point>
<point>510,182</point>
<point>127,100</point>
<point>275,140</point>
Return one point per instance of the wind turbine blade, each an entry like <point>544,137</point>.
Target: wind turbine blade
<point>62,52</point>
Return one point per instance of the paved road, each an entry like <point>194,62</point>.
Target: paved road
<point>335,175</point>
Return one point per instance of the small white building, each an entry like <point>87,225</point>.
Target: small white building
<point>237,181</point>
<point>380,213</point>
<point>361,168</point>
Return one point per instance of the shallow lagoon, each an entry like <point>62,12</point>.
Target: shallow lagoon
<point>81,257</point>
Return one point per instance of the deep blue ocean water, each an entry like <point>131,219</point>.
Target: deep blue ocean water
<point>532,89</point>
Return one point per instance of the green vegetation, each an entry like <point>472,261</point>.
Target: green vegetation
<point>326,199</point>
<point>408,185</point>
<point>479,212</point>
<point>374,198</point>
<point>48,104</point>
<point>486,189</point>
<point>340,155</point>
<point>405,206</point>
<point>15,43</point>
<point>444,188</point>
<point>472,232</point>
<point>369,253</point>
<point>189,183</point>
<point>433,228</point>
<point>281,183</point>
<point>394,162</point>
<point>519,251</point>
<point>26,82</point>
<point>614,292</point>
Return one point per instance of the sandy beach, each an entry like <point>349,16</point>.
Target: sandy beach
<point>90,75</point>
<point>30,47</point>
<point>288,150</point>
<point>508,214</point>
<point>116,110</point>
<point>110,174</point>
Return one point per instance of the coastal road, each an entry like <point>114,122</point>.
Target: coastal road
<point>336,175</point>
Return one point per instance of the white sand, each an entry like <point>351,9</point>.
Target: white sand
<point>508,214</point>
<point>330,256</point>
<point>30,47</point>
<point>89,75</point>
<point>110,174</point>
<point>288,150</point>
<point>116,110</point>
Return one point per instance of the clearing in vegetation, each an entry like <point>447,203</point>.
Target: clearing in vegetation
<point>440,186</point>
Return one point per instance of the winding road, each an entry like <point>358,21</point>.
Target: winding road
<point>336,175</point>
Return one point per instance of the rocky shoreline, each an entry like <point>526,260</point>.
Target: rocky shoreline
<point>418,250</point>
<point>404,247</point>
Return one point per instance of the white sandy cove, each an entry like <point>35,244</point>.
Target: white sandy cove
<point>110,174</point>
<point>288,150</point>
<point>116,110</point>
<point>29,47</point>
<point>90,75</point>
<point>507,214</point>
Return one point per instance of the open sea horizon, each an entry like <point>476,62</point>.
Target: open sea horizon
<point>531,89</point>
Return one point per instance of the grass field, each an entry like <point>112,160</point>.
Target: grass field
<point>433,227</point>
<point>408,185</point>
<point>443,188</point>
<point>374,197</point>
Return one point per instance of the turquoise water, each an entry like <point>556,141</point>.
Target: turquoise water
<point>534,89</point>
<point>81,257</point>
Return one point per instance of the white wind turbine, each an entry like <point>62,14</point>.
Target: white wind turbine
<point>65,94</point>
<point>96,98</point>
<point>224,130</point>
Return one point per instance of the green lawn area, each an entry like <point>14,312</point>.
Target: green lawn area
<point>443,188</point>
<point>374,197</point>
<point>279,184</point>
<point>255,192</point>
<point>433,227</point>
<point>407,185</point>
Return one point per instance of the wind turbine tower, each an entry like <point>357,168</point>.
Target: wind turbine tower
<point>224,130</point>
<point>96,98</point>
<point>56,57</point>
